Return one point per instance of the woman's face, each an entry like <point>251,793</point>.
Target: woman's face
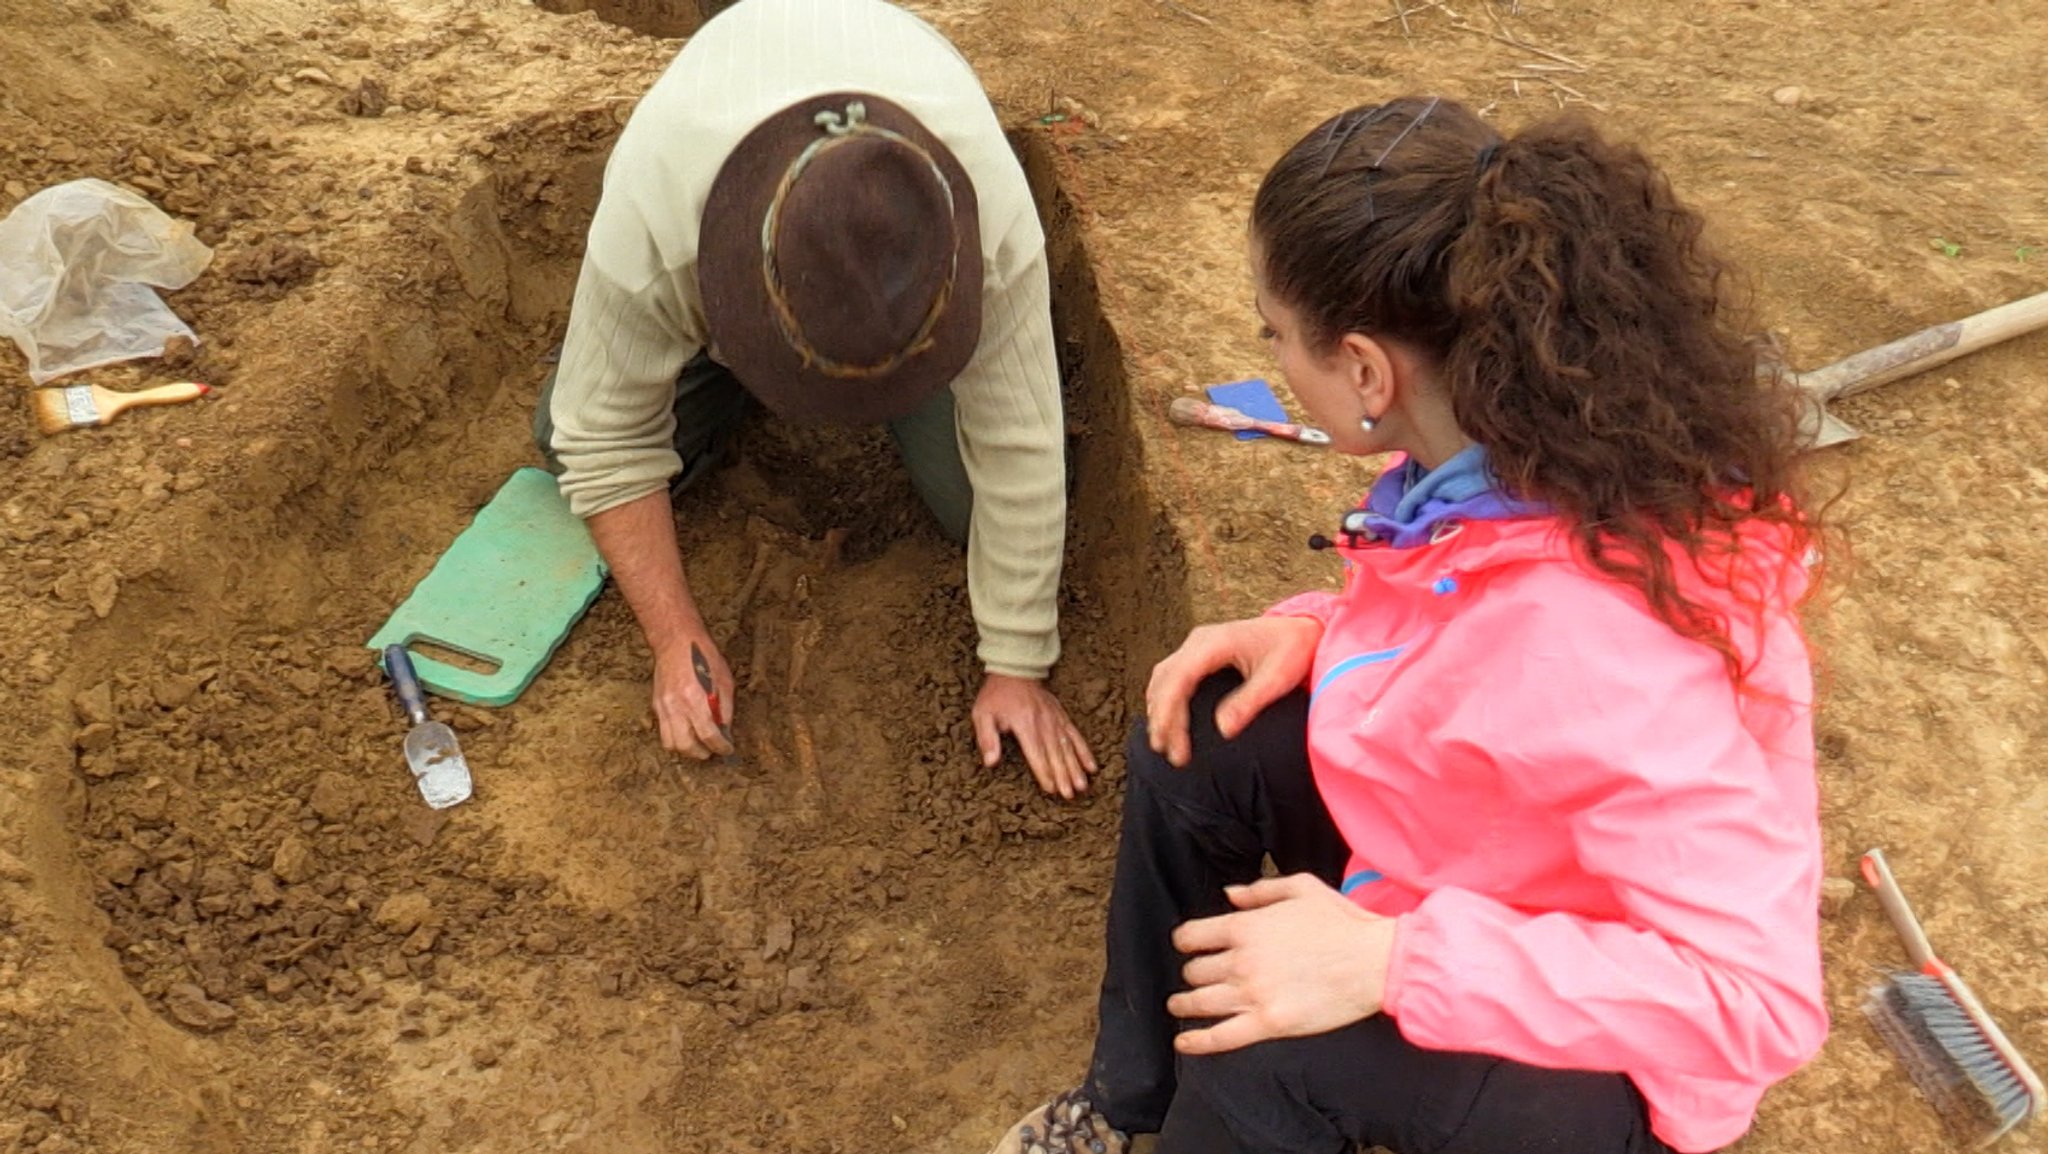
<point>1323,381</point>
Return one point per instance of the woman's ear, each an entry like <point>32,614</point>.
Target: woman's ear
<point>1370,368</point>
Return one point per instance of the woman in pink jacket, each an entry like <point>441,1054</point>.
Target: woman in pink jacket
<point>1539,781</point>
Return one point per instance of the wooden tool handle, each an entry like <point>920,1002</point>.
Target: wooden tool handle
<point>1879,875</point>
<point>1925,349</point>
<point>1201,414</point>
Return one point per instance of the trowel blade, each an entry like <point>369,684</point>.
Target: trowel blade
<point>437,763</point>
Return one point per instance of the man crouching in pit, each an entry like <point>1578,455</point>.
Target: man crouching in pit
<point>815,207</point>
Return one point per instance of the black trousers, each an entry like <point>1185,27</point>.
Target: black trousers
<point>1189,832</point>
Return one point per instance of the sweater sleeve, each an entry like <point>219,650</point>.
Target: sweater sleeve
<point>612,406</point>
<point>1013,443</point>
<point>1710,848</point>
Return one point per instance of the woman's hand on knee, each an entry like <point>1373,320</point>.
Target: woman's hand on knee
<point>1273,653</point>
<point>1297,958</point>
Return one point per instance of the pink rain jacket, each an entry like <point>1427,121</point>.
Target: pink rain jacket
<point>1602,856</point>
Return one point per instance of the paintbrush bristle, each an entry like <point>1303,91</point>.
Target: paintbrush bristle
<point>67,408</point>
<point>1948,1055</point>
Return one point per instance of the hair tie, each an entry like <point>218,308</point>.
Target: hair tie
<point>1488,157</point>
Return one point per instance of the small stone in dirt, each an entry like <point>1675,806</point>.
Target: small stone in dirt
<point>403,913</point>
<point>120,864</point>
<point>543,942</point>
<point>333,797</point>
<point>779,935</point>
<point>1834,895</point>
<point>263,892</point>
<point>175,692</point>
<point>293,862</point>
<point>179,351</point>
<point>189,1004</point>
<point>484,1056</point>
<point>367,99</point>
<point>101,590</point>
<point>419,941</point>
<point>220,879</point>
<point>1789,96</point>
<point>94,737</point>
<point>274,264</point>
<point>305,681</point>
<point>40,1098</point>
<point>423,825</point>
<point>95,705</point>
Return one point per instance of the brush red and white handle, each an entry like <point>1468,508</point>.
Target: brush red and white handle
<point>1879,875</point>
<point>1197,413</point>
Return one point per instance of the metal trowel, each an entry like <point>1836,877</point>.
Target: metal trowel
<point>430,749</point>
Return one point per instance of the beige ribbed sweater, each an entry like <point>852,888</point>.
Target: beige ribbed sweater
<point>637,316</point>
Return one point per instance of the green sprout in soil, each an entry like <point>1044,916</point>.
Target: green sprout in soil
<point>1947,248</point>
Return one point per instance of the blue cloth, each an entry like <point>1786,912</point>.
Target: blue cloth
<point>1407,504</point>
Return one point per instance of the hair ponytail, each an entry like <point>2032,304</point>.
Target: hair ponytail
<point>1580,325</point>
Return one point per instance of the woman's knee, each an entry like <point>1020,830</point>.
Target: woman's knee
<point>1215,765</point>
<point>1256,1098</point>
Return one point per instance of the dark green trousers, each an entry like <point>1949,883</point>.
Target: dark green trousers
<point>710,403</point>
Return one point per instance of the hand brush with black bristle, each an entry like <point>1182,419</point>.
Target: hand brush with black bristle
<point>1967,1068</point>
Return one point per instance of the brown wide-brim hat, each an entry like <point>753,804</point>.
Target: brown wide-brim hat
<point>839,261</point>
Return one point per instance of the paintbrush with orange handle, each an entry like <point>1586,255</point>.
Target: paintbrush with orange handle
<point>1198,413</point>
<point>76,406</point>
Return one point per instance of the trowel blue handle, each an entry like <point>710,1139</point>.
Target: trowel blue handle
<point>398,663</point>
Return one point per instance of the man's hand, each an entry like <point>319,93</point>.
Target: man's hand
<point>1273,653</point>
<point>1027,710</point>
<point>1296,959</point>
<point>638,541</point>
<point>688,724</point>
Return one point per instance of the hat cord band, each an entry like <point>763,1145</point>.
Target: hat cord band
<point>838,130</point>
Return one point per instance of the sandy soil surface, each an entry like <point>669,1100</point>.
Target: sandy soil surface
<point>231,926</point>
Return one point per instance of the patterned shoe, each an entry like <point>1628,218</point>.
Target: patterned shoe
<point>1066,1125</point>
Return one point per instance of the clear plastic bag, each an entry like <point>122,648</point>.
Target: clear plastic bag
<point>76,264</point>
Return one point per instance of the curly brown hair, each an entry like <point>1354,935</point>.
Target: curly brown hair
<point>1584,331</point>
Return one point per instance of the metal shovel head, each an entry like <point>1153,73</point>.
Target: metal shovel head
<point>1819,428</point>
<point>437,764</point>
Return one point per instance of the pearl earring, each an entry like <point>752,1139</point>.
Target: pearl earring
<point>1366,423</point>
